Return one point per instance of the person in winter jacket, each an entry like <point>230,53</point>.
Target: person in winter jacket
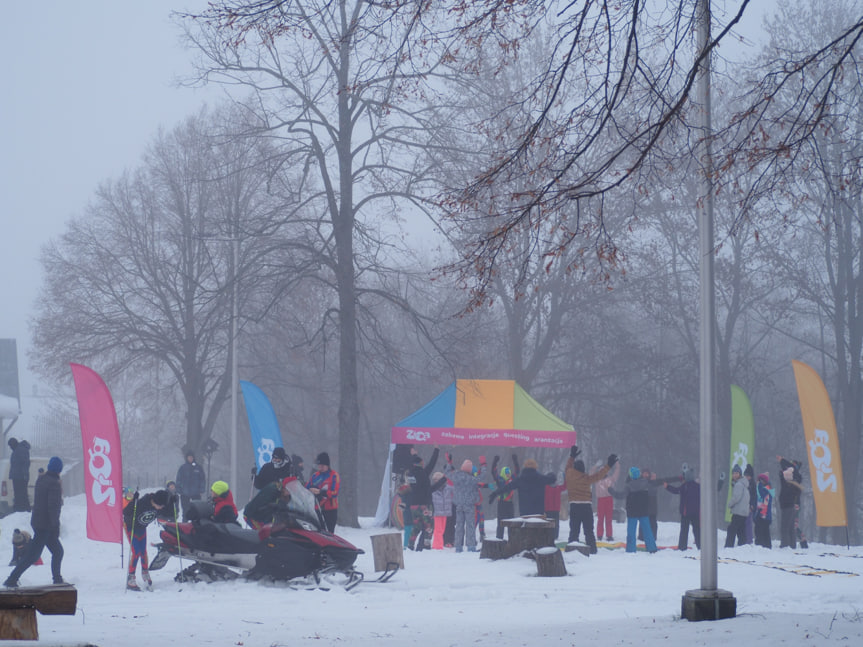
<point>604,501</point>
<point>505,502</point>
<point>262,508</point>
<point>465,495</point>
<point>191,483</point>
<point>752,488</point>
<point>45,520</point>
<point>578,488</point>
<point>763,511</point>
<point>224,508</point>
<point>298,466</point>
<point>442,500</point>
<point>552,501</point>
<point>19,474</point>
<point>690,508</point>
<point>635,493</point>
<point>325,483</point>
<point>419,479</point>
<point>739,506</point>
<point>478,512</point>
<point>790,489</point>
<point>652,501</point>
<point>138,513</point>
<point>531,488</point>
<point>278,469</point>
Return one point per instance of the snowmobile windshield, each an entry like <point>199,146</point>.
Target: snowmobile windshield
<point>303,503</point>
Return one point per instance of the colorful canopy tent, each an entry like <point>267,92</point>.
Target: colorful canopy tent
<point>484,412</point>
<point>476,412</point>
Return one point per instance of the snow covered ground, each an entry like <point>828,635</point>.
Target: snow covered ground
<point>442,598</point>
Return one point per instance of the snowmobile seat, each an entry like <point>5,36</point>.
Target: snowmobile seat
<point>225,538</point>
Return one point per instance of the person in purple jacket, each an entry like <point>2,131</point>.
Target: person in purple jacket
<point>690,508</point>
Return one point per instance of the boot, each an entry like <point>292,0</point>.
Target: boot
<point>145,575</point>
<point>132,583</point>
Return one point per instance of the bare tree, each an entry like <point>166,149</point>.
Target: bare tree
<point>345,87</point>
<point>146,273</point>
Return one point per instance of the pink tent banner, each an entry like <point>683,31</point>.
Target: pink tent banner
<point>103,464</point>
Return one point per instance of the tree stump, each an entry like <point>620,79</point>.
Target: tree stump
<point>549,562</point>
<point>526,533</point>
<point>387,549</point>
<point>493,548</point>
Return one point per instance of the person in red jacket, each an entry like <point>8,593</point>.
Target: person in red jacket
<point>324,484</point>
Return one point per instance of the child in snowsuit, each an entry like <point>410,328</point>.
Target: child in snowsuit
<point>139,513</point>
<point>604,501</point>
<point>637,517</point>
<point>505,503</point>
<point>442,498</point>
<point>690,508</point>
<point>764,511</point>
<point>465,494</point>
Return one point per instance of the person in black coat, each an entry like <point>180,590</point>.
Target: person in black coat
<point>45,520</point>
<point>530,485</point>
<point>418,476</point>
<point>278,469</point>
<point>19,474</point>
<point>790,489</point>
<point>191,483</point>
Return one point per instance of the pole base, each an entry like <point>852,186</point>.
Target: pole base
<point>698,604</point>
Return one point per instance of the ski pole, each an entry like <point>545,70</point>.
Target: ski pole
<point>131,530</point>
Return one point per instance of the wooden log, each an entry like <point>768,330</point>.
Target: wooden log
<point>493,548</point>
<point>549,562</point>
<point>527,533</point>
<point>18,624</point>
<point>387,549</point>
<point>59,599</point>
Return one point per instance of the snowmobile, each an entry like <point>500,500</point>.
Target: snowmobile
<point>295,548</point>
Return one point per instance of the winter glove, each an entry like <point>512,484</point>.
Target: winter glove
<point>612,459</point>
<point>494,462</point>
<point>493,496</point>
<point>449,458</point>
<point>574,451</point>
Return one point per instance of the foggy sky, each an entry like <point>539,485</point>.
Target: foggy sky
<point>86,85</point>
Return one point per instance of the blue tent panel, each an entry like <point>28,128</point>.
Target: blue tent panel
<point>439,412</point>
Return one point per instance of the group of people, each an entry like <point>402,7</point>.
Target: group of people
<point>444,508</point>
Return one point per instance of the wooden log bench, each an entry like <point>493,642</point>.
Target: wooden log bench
<point>18,608</point>
<point>528,533</point>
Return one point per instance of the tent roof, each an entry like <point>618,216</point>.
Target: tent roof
<point>484,412</point>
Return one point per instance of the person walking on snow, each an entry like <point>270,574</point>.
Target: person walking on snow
<point>45,520</point>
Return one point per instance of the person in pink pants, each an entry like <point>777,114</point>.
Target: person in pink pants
<point>604,501</point>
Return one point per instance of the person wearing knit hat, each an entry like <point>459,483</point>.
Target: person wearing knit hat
<point>442,503</point>
<point>579,489</point>
<point>324,483</point>
<point>276,470</point>
<point>530,485</point>
<point>764,511</point>
<point>139,513</point>
<point>637,510</point>
<point>466,486</point>
<point>45,520</point>
<point>224,508</point>
<point>752,488</point>
<point>191,483</point>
